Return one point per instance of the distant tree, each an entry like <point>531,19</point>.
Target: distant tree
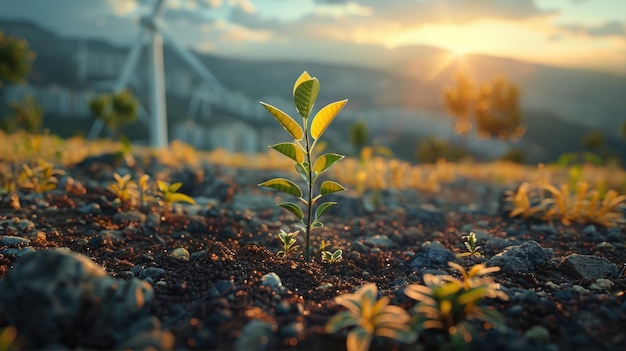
<point>593,140</point>
<point>358,135</point>
<point>623,130</point>
<point>493,108</point>
<point>432,149</point>
<point>459,101</point>
<point>115,109</point>
<point>28,115</point>
<point>514,155</point>
<point>15,58</point>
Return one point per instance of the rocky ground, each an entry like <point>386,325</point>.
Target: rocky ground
<point>566,283</point>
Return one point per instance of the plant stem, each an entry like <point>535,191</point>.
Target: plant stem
<point>310,195</point>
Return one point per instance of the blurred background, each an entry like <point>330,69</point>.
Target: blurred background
<point>525,80</point>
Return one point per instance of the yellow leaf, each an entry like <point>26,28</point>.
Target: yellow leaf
<point>322,119</point>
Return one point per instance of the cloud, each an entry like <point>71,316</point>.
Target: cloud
<point>607,29</point>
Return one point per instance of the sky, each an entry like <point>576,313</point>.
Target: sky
<point>566,33</point>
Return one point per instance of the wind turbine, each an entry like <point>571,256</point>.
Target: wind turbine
<point>157,121</point>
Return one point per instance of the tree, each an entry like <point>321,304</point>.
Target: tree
<point>432,149</point>
<point>358,135</point>
<point>15,58</point>
<point>28,115</point>
<point>493,108</point>
<point>593,140</point>
<point>459,102</point>
<point>115,109</point>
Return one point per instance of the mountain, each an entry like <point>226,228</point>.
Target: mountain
<point>400,93</point>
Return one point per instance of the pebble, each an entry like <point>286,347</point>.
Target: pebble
<point>257,335</point>
<point>379,241</point>
<point>601,285</point>
<point>13,241</point>
<point>357,246</point>
<point>181,253</point>
<point>90,208</point>
<point>272,280</point>
<point>151,273</point>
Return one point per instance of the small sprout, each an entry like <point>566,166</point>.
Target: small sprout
<point>324,245</point>
<point>302,152</point>
<point>446,303</point>
<point>124,189</point>
<point>171,195</point>
<point>144,190</point>
<point>181,253</point>
<point>40,178</point>
<point>332,257</point>
<point>370,317</point>
<point>582,206</point>
<point>289,243</point>
<point>470,245</point>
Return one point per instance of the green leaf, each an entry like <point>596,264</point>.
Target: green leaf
<point>325,161</point>
<point>329,187</point>
<point>283,185</point>
<point>324,116</point>
<point>322,208</point>
<point>305,93</point>
<point>316,224</point>
<point>290,150</point>
<point>293,208</point>
<point>302,171</point>
<point>340,320</point>
<point>286,121</point>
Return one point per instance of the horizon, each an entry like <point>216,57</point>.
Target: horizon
<point>564,33</point>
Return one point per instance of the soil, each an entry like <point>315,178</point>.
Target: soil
<point>206,301</point>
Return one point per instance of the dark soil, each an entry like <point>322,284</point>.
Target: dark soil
<point>207,301</point>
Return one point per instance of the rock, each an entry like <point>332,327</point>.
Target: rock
<point>56,296</point>
<point>539,334</point>
<point>359,247</point>
<point>425,214</point>
<point>13,241</point>
<point>380,241</point>
<point>242,202</point>
<point>90,208</point>
<point>257,335</point>
<point>132,216</point>
<point>348,205</point>
<point>181,253</point>
<point>601,285</point>
<point>432,255</point>
<point>152,273</point>
<point>587,266</point>
<point>273,281</point>
<point>521,258</point>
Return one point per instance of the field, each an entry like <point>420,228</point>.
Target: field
<point>175,275</point>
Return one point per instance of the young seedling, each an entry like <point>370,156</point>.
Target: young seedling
<point>171,195</point>
<point>289,243</point>
<point>124,188</point>
<point>447,303</point>
<point>301,151</point>
<point>470,245</point>
<point>330,256</point>
<point>369,317</point>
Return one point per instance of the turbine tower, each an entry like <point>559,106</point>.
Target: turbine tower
<point>157,121</point>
